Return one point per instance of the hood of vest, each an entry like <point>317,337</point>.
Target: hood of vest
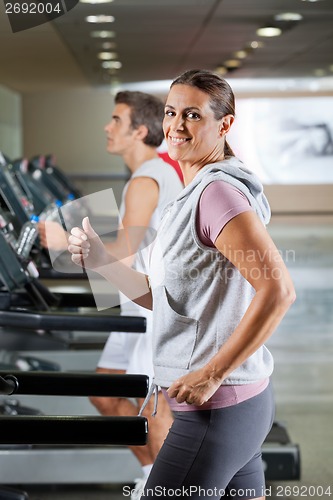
<point>232,170</point>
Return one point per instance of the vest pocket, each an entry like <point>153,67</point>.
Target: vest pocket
<point>174,335</point>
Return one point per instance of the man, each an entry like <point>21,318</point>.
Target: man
<point>134,133</point>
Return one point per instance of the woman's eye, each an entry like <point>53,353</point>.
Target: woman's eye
<point>193,116</point>
<point>169,113</point>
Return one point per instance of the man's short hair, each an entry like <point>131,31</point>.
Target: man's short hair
<point>147,110</point>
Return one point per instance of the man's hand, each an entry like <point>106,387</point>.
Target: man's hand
<point>52,236</point>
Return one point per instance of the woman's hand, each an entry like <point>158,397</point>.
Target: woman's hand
<point>87,248</point>
<point>195,388</point>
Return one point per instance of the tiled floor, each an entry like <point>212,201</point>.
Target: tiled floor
<point>303,377</point>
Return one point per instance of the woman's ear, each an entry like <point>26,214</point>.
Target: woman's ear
<point>225,124</point>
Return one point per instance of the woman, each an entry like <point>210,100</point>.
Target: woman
<point>218,288</point>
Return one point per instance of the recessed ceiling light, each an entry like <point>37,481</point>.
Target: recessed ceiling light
<point>96,1</point>
<point>108,45</point>
<point>111,64</point>
<point>256,45</point>
<point>102,34</point>
<point>240,54</point>
<point>269,31</point>
<point>221,70</point>
<point>288,16</point>
<point>319,72</point>
<point>100,19</point>
<point>232,63</point>
<point>106,56</point>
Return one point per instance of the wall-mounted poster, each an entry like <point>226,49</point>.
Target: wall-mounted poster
<point>286,141</point>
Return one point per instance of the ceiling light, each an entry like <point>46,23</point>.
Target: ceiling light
<point>319,72</point>
<point>311,0</point>
<point>106,56</point>
<point>221,70</point>
<point>288,16</point>
<point>240,54</point>
<point>102,34</point>
<point>108,45</point>
<point>100,19</point>
<point>232,63</point>
<point>111,64</point>
<point>96,1</point>
<point>269,31</point>
<point>256,45</point>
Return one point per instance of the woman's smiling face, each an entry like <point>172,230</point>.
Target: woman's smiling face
<point>191,130</point>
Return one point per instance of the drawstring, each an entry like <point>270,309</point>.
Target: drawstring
<point>153,389</point>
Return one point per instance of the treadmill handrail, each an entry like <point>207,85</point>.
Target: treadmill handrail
<point>74,430</point>
<point>72,321</point>
<point>8,384</point>
<point>44,383</point>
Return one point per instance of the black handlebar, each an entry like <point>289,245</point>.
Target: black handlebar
<point>74,430</point>
<point>8,384</point>
<point>72,321</point>
<point>74,384</point>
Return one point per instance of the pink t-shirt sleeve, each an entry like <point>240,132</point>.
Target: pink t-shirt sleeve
<point>219,203</point>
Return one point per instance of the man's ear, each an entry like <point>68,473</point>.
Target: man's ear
<point>141,132</point>
<point>225,124</point>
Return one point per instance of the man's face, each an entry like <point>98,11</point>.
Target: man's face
<point>119,133</point>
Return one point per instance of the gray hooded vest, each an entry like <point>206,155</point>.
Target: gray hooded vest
<point>199,297</point>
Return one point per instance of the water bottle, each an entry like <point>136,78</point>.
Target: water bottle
<point>51,212</point>
<point>27,237</point>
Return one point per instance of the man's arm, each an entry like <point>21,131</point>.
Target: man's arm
<point>140,202</point>
<point>52,235</point>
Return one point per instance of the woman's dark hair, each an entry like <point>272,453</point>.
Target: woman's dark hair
<point>146,110</point>
<point>222,99</point>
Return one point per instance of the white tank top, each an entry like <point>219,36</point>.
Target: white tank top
<point>169,187</point>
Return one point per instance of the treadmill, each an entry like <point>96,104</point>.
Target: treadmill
<point>22,197</point>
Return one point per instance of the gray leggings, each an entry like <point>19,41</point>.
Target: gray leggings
<point>214,453</point>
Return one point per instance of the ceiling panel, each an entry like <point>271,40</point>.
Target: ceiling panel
<point>158,39</point>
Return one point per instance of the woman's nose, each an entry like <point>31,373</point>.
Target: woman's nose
<point>177,123</point>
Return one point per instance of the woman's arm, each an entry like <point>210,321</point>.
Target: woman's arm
<point>246,244</point>
<point>89,251</point>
